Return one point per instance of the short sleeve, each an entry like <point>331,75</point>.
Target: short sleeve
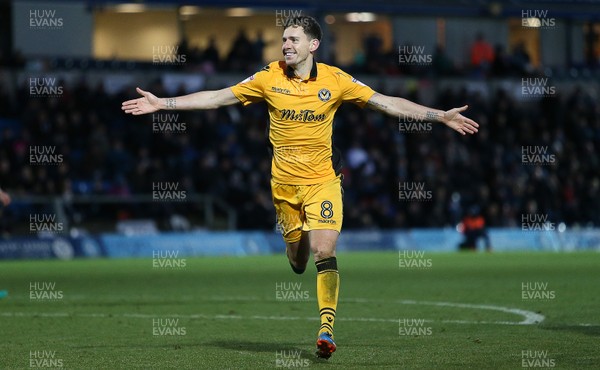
<point>354,91</point>
<point>251,90</point>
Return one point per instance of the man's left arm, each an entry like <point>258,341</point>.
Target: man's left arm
<point>403,108</point>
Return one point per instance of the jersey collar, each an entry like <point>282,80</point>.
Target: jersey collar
<point>289,71</point>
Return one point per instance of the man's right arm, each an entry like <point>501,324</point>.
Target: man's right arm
<point>149,103</point>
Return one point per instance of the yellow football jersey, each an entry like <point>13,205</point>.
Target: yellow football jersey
<point>301,117</point>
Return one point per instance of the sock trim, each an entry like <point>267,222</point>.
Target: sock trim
<point>327,264</point>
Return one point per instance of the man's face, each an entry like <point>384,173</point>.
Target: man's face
<point>296,45</point>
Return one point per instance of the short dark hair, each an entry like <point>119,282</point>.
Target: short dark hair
<point>310,25</point>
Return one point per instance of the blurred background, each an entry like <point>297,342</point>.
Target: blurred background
<point>87,180</point>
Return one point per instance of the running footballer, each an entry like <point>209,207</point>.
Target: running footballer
<point>302,97</point>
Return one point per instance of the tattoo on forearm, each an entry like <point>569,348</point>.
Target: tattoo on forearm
<point>171,103</point>
<point>432,116</point>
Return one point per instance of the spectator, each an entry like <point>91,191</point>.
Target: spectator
<point>501,63</point>
<point>373,45</point>
<point>441,62</point>
<point>473,228</point>
<point>482,56</point>
<point>240,53</point>
<point>258,48</point>
<point>211,55</point>
<point>521,62</point>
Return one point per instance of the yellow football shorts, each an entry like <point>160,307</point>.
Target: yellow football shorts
<point>308,207</point>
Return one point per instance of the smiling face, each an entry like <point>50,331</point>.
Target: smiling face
<point>297,46</point>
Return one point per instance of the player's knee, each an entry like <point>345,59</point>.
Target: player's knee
<point>322,243</point>
<point>323,252</point>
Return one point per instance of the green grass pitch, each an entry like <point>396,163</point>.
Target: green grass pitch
<point>448,311</point>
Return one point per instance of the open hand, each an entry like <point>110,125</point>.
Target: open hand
<point>458,122</point>
<point>148,103</point>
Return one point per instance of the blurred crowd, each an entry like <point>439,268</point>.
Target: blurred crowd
<point>243,55</point>
<point>485,60</point>
<point>246,54</point>
<point>224,152</point>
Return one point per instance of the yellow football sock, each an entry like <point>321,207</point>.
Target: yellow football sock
<point>328,286</point>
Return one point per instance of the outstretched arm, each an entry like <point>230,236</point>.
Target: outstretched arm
<point>149,103</point>
<point>399,107</point>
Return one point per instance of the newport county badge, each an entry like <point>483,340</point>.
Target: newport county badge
<point>324,95</point>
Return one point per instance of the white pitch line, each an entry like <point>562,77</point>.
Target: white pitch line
<point>529,317</point>
<point>239,317</point>
<point>235,317</point>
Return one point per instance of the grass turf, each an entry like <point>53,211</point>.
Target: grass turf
<point>250,313</point>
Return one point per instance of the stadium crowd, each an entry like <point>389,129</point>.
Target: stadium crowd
<point>485,60</point>
<point>224,152</point>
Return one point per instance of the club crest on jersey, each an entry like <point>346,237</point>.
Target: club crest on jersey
<point>324,95</point>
